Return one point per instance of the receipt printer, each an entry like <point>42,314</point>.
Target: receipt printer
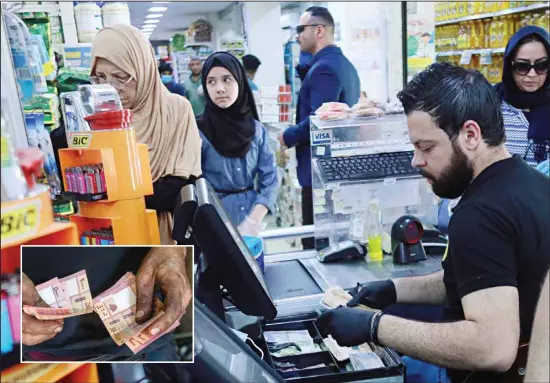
<point>405,240</point>
<point>341,250</point>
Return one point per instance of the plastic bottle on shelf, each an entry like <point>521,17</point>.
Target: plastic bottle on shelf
<point>504,5</point>
<point>480,28</point>
<point>487,33</point>
<point>115,13</point>
<point>495,32</point>
<point>357,226</point>
<point>88,21</point>
<point>470,8</point>
<point>500,32</point>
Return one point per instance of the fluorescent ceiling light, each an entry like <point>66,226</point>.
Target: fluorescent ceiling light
<point>161,2</point>
<point>153,16</point>
<point>157,9</point>
<point>151,21</point>
<point>148,26</point>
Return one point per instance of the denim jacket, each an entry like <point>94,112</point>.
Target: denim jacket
<point>257,169</point>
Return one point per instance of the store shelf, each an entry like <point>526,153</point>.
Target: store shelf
<point>51,9</point>
<point>526,8</point>
<point>474,52</point>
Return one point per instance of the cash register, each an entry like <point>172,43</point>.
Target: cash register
<point>226,269</point>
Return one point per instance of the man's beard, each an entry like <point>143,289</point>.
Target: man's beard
<point>455,178</point>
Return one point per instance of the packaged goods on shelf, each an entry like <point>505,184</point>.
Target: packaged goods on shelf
<point>38,137</point>
<point>86,183</point>
<point>115,13</point>
<point>88,21</point>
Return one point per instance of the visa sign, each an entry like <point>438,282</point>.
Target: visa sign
<point>320,137</point>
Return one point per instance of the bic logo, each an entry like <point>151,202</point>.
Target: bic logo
<point>321,137</point>
<point>20,221</point>
<point>81,140</point>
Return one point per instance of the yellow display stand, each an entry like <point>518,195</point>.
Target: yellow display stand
<point>127,179</point>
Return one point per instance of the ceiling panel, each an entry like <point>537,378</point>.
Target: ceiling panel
<point>178,16</point>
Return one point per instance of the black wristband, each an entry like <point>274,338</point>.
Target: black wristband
<point>374,327</point>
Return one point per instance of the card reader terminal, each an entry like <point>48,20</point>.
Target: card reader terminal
<point>342,250</point>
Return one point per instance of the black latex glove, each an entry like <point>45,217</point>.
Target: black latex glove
<point>349,327</point>
<point>378,295</point>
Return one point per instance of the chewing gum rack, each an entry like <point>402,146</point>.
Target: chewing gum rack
<point>126,179</point>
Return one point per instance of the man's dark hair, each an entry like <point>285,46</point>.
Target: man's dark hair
<point>165,67</point>
<point>453,95</point>
<point>251,63</point>
<point>323,14</point>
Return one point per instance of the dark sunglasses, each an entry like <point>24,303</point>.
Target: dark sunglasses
<point>523,68</point>
<point>301,28</point>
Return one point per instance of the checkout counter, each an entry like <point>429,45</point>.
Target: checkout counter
<point>285,297</point>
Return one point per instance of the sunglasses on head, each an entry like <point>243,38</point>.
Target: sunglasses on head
<point>301,28</point>
<point>523,68</point>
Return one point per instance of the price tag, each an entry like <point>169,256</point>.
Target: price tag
<point>466,57</point>
<point>20,221</point>
<point>486,57</point>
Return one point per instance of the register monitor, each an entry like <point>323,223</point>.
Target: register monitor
<point>225,258</point>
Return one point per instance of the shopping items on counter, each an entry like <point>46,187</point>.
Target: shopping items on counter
<point>98,237</point>
<point>332,111</point>
<point>38,137</point>
<point>85,183</point>
<point>67,297</point>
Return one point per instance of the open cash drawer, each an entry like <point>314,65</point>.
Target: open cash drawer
<point>334,371</point>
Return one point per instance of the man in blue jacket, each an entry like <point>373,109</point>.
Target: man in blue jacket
<point>330,77</point>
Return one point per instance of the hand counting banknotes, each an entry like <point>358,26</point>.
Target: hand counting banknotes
<point>117,306</point>
<point>336,296</point>
<point>67,297</point>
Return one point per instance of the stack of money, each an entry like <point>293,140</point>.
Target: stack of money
<point>365,361</point>
<point>117,307</point>
<point>67,297</point>
<point>336,296</point>
<point>342,353</point>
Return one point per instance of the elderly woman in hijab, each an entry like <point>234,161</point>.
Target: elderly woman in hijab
<point>236,157</point>
<point>123,57</point>
<point>525,95</point>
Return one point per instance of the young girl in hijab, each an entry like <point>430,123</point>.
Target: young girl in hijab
<point>123,57</point>
<point>236,157</point>
<point>525,95</point>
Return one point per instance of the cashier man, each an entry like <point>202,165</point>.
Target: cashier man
<point>499,242</point>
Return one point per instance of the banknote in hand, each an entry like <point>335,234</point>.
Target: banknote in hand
<point>67,297</point>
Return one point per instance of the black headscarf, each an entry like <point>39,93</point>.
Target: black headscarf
<point>538,103</point>
<point>507,89</point>
<point>229,130</point>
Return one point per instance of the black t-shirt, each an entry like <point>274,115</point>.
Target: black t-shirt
<point>499,235</point>
<point>85,335</point>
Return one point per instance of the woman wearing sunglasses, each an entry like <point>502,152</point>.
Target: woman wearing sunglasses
<point>123,57</point>
<point>525,95</point>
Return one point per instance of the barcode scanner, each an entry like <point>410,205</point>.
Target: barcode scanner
<point>406,245</point>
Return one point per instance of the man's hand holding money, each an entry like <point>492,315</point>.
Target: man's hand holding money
<point>36,331</point>
<point>164,267</point>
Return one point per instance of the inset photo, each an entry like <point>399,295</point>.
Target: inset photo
<point>107,304</point>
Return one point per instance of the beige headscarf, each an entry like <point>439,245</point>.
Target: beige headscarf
<point>162,120</point>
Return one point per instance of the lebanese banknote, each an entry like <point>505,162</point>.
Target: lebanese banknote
<point>67,297</point>
<point>117,306</point>
<point>336,296</point>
